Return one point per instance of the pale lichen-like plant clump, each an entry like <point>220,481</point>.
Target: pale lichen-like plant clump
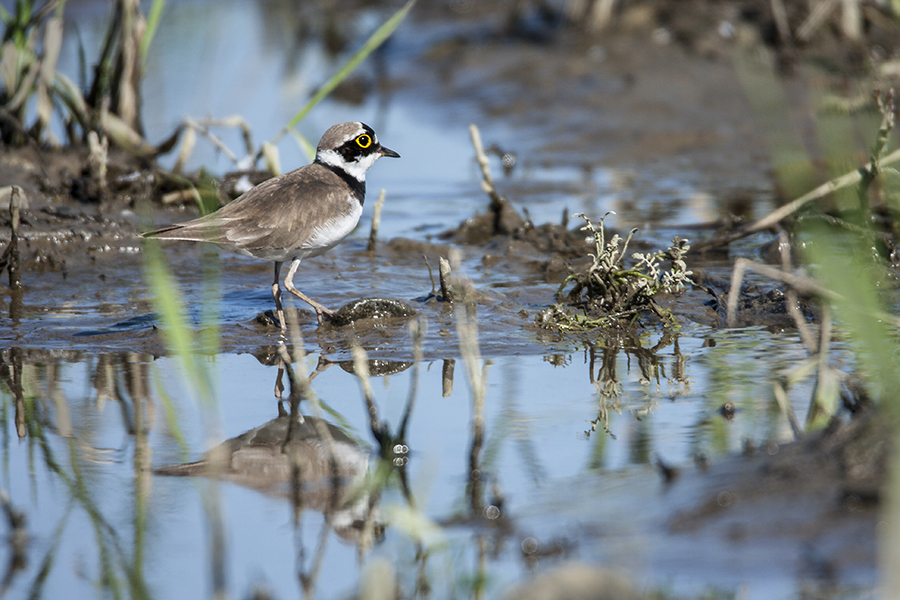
<point>608,291</point>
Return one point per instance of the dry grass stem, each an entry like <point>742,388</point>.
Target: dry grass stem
<point>465,311</point>
<point>445,271</point>
<point>180,196</point>
<point>817,16</point>
<point>781,21</point>
<point>487,182</point>
<point>825,375</point>
<point>593,15</point>
<point>785,406</point>
<point>376,220</point>
<point>430,273</point>
<point>9,261</point>
<point>98,159</point>
<point>799,283</point>
<point>203,128</point>
<point>793,302</point>
<point>862,177</point>
<point>780,214</point>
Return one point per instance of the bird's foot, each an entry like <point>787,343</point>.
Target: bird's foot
<point>323,314</point>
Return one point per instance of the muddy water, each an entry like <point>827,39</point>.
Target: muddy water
<point>562,468</point>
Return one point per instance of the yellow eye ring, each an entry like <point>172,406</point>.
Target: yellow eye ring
<point>364,141</point>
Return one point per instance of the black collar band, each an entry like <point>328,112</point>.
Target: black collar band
<point>357,187</point>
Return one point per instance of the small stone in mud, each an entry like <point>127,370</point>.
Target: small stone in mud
<point>267,318</point>
<point>372,308</point>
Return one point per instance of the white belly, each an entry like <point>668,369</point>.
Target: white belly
<point>328,235</point>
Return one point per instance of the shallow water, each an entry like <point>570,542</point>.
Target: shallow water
<point>102,417</point>
<point>571,430</point>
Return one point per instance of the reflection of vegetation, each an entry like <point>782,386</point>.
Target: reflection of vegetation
<point>603,356</point>
<point>40,422</point>
<point>608,292</point>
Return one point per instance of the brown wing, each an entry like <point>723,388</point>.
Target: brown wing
<point>281,212</point>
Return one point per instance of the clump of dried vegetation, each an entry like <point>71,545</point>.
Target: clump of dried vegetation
<point>609,292</point>
<point>108,104</point>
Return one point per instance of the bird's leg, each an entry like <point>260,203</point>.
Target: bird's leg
<point>321,311</point>
<point>276,293</point>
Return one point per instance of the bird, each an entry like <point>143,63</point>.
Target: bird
<point>297,215</point>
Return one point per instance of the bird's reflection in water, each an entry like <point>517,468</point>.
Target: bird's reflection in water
<point>317,465</point>
<point>305,459</point>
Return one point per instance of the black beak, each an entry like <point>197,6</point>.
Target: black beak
<point>388,152</point>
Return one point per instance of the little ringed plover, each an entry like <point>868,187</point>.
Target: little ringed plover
<point>297,215</point>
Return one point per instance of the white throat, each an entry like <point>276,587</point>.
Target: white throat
<point>356,169</point>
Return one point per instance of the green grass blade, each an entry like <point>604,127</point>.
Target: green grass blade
<point>153,18</point>
<point>171,308</point>
<point>374,41</point>
<point>842,264</point>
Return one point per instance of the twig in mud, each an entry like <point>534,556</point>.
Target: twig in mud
<point>444,271</point>
<point>444,274</point>
<point>202,127</point>
<point>798,283</point>
<point>823,403</point>
<point>793,302</point>
<point>801,284</point>
<point>506,220</point>
<point>98,160</point>
<point>10,259</point>
<point>430,275</point>
<point>376,220</point>
<point>781,21</point>
<point>487,182</point>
